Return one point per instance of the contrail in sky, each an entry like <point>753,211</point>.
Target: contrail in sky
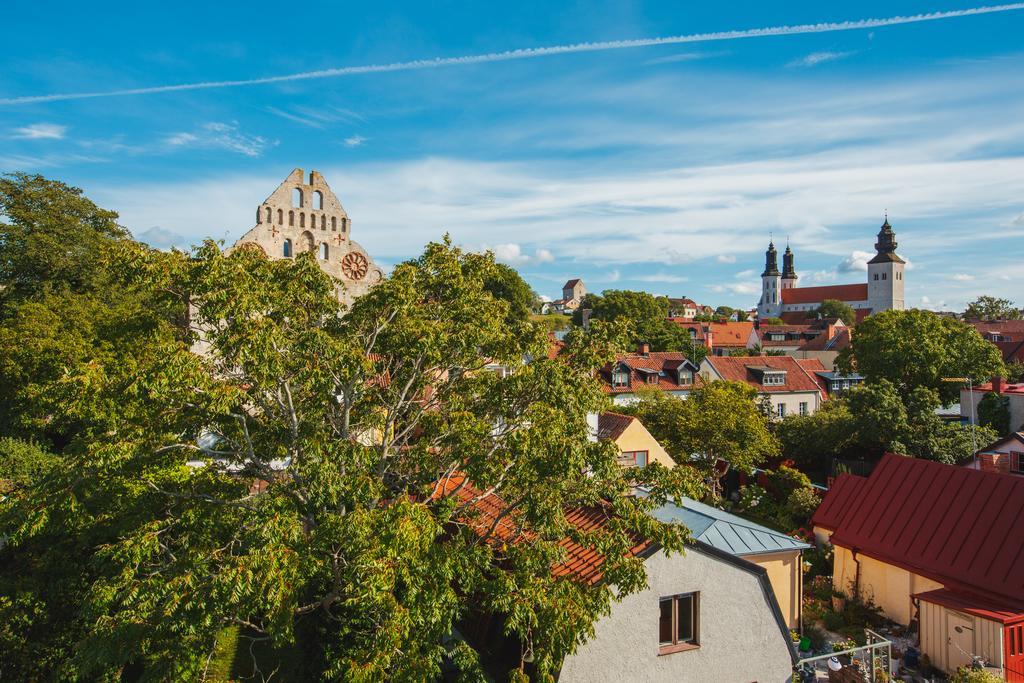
<point>527,53</point>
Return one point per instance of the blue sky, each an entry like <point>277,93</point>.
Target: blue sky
<point>659,167</point>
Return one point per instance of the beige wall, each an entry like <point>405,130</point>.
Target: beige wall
<point>1016,408</point>
<point>740,641</point>
<point>637,438</point>
<point>984,638</point>
<point>786,575</point>
<point>889,587</point>
<point>822,536</point>
<point>793,401</point>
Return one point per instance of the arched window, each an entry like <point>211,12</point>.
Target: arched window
<point>323,251</point>
<point>323,222</point>
<point>334,224</point>
<point>259,216</point>
<point>318,200</point>
<point>302,220</point>
<point>269,214</point>
<point>307,242</point>
<point>291,218</point>
<point>280,217</point>
<point>287,251</point>
<point>344,224</point>
<point>297,198</point>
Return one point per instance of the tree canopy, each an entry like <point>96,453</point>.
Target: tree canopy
<point>919,349</point>
<point>833,308</point>
<point>285,480</point>
<point>992,308</point>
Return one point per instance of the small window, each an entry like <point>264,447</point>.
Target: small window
<point>297,198</point>
<point>884,275</point>
<point>323,251</point>
<point>876,276</point>
<point>280,216</point>
<point>287,250</point>
<point>334,224</point>
<point>291,218</point>
<point>269,215</point>
<point>323,222</point>
<point>633,458</point>
<point>803,407</point>
<point>302,220</point>
<point>259,216</point>
<point>679,623</point>
<point>652,379</point>
<point>780,410</point>
<point>620,378</point>
<point>318,200</point>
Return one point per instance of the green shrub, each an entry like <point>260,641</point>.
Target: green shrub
<point>863,613</point>
<point>967,675</point>
<point>817,636</point>
<point>783,481</point>
<point>833,622</point>
<point>23,461</point>
<point>801,504</point>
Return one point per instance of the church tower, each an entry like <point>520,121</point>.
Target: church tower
<point>771,285</point>
<point>788,273</point>
<point>885,273</point>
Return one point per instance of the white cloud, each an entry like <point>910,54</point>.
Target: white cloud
<point>857,262</point>
<point>750,272</point>
<point>930,305</point>
<point>1019,220</point>
<point>512,254</point>
<point>823,276</point>
<point>744,288</point>
<point>613,276</point>
<point>40,131</point>
<point>816,58</point>
<point>726,258</point>
<point>682,57</point>
<point>963,277</point>
<point>660,277</point>
<point>354,140</point>
<point>217,135</point>
<point>161,238</point>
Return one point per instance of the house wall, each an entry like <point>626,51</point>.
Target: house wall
<point>637,438</point>
<point>1016,407</point>
<point>740,640</point>
<point>888,586</point>
<point>785,571</point>
<point>935,637</point>
<point>628,398</point>
<point>793,401</point>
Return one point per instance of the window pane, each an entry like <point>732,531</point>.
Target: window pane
<point>685,626</point>
<point>641,458</point>
<point>665,622</point>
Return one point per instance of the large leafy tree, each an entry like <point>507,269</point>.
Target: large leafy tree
<point>717,428</point>
<point>285,481</point>
<point>992,308</point>
<point>919,349</point>
<point>648,317</point>
<point>833,308</point>
<point>505,283</point>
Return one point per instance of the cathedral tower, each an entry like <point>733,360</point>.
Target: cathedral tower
<point>788,273</point>
<point>771,285</point>
<point>885,273</point>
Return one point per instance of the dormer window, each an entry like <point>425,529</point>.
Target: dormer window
<point>620,378</point>
<point>773,378</point>
<point>652,379</point>
<point>685,377</point>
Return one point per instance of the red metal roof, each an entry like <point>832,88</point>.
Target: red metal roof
<point>815,295</point>
<point>837,501</point>
<point>958,526</point>
<point>980,607</point>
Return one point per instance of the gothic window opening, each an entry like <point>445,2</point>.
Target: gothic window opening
<point>291,218</point>
<point>280,217</point>
<point>269,215</point>
<point>323,251</point>
<point>302,220</point>
<point>287,250</point>
<point>318,200</point>
<point>334,224</point>
<point>323,222</point>
<point>297,198</point>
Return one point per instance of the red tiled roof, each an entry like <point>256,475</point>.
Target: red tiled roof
<point>730,334</point>
<point>581,563</point>
<point>954,525</point>
<point>1008,387</point>
<point>815,295</point>
<point>837,342</point>
<point>962,602</point>
<point>837,501</point>
<point>737,369</point>
<point>812,366</point>
<point>1012,328</point>
<point>689,323</point>
<point>653,362</point>
<point>1011,350</point>
<point>612,425</point>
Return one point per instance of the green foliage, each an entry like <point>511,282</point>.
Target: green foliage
<point>992,308</point>
<point>504,283</point>
<point>966,674</point>
<point>810,440</point>
<point>833,621</point>
<point>785,480</point>
<point>23,462</point>
<point>125,557</point>
<point>917,349</point>
<point>993,411</point>
<point>647,316</point>
<point>770,321</point>
<point>719,421</point>
<point>801,504</point>
<point>833,308</point>
<point>552,322</point>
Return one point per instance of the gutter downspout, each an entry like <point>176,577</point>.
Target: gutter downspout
<point>800,595</point>
<point>856,579</point>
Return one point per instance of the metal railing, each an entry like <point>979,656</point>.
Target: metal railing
<point>874,656</point>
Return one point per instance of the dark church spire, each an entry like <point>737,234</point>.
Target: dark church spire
<point>886,244</point>
<point>771,261</point>
<point>788,272</point>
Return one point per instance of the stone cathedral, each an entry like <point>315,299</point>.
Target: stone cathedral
<point>303,214</point>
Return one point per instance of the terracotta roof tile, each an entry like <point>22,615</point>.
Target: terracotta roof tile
<point>815,295</point>
<point>837,342</point>
<point>612,425</point>
<point>642,366</point>
<point>737,369</point>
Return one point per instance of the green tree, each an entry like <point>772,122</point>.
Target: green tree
<point>833,308</point>
<point>770,321</point>
<point>310,515</point>
<point>718,423</point>
<point>647,316</point>
<point>992,308</point>
<point>993,411</point>
<point>918,348</point>
<point>505,283</point>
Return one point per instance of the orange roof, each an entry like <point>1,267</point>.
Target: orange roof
<point>661,363</point>
<point>739,369</point>
<point>837,342</point>
<point>612,425</point>
<point>815,295</point>
<point>581,563</point>
<point>812,366</point>
<point>731,334</point>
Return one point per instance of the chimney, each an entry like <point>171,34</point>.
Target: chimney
<point>643,349</point>
<point>709,340</point>
<point>997,384</point>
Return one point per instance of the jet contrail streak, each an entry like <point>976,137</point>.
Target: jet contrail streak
<point>527,53</point>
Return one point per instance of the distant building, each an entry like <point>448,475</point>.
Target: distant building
<point>1005,456</point>
<point>683,308</point>
<point>1012,392</point>
<point>637,447</point>
<point>668,371</point>
<point>781,298</point>
<point>573,292</point>
<point>787,385</point>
